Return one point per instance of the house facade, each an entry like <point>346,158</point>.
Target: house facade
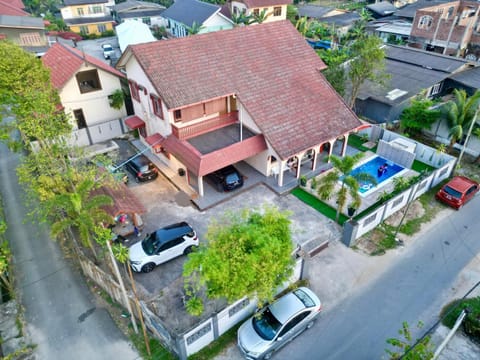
<point>88,16</point>
<point>268,106</point>
<point>274,10</point>
<point>85,85</point>
<point>145,12</point>
<point>183,15</point>
<point>447,28</point>
<point>17,26</point>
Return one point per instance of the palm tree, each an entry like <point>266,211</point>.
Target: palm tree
<point>194,29</point>
<point>240,19</point>
<point>460,113</point>
<point>80,210</point>
<point>303,25</point>
<point>260,17</point>
<point>342,172</point>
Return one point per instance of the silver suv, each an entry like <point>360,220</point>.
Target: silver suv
<point>278,323</point>
<point>161,246</point>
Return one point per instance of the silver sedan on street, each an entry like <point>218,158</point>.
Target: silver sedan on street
<point>278,323</point>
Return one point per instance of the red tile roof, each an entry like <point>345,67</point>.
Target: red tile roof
<point>272,70</point>
<point>263,3</point>
<point>64,62</point>
<point>202,165</point>
<point>124,200</point>
<point>12,8</point>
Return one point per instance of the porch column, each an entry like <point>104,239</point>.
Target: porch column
<point>200,185</point>
<point>316,152</point>
<point>330,150</point>
<point>344,146</point>
<point>280,173</point>
<point>299,165</point>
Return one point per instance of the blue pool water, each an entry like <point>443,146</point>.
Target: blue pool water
<point>371,167</point>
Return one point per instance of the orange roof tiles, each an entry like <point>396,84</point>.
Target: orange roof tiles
<point>274,73</point>
<point>64,62</point>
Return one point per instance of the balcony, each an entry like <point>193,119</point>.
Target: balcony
<point>203,127</point>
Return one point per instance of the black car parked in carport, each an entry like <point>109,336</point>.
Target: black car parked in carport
<point>226,179</point>
<point>142,168</point>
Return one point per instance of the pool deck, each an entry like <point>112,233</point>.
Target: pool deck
<point>372,197</point>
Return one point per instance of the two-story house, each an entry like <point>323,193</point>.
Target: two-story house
<point>184,15</point>
<point>85,85</point>
<point>446,28</point>
<point>274,10</point>
<point>88,16</point>
<point>253,94</point>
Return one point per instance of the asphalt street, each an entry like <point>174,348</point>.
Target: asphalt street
<point>63,321</point>
<point>413,289</point>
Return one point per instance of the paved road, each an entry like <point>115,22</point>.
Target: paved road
<point>414,288</point>
<point>62,318</point>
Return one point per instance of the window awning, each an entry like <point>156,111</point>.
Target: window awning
<point>134,122</point>
<point>155,140</point>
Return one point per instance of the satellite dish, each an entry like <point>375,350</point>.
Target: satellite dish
<point>471,57</point>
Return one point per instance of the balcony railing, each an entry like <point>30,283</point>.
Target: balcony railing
<point>189,131</point>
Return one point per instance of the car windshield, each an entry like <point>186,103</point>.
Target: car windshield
<point>150,244</point>
<point>266,325</point>
<point>452,192</point>
<point>304,298</point>
<point>107,48</point>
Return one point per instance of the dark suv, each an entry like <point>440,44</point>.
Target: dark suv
<point>226,179</point>
<point>142,168</point>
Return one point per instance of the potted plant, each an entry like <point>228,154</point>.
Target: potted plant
<point>303,180</point>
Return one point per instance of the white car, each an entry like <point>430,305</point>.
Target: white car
<point>107,51</point>
<point>161,246</point>
<point>278,323</point>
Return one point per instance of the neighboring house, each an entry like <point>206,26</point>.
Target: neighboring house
<point>133,32</point>
<point>84,84</point>
<point>146,12</point>
<point>391,31</point>
<point>447,28</point>
<point>274,10</point>
<point>412,72</point>
<point>185,14</point>
<point>253,94</point>
<point>22,29</point>
<point>88,16</point>
<point>341,20</point>
<point>468,80</point>
<point>27,32</point>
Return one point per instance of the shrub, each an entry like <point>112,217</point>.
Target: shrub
<point>471,322</point>
<point>313,183</point>
<point>108,33</point>
<point>303,180</point>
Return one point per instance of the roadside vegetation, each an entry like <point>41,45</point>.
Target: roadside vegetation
<point>471,323</point>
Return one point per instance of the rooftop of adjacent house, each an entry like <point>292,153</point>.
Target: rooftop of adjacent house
<point>411,71</point>
<point>12,8</point>
<point>64,62</point>
<point>395,27</point>
<point>313,11</point>
<point>26,22</point>
<point>133,32</point>
<point>136,6</point>
<point>83,2</point>
<point>382,8</point>
<point>408,11</point>
<point>344,19</point>
<point>262,3</point>
<point>89,20</point>
<point>469,77</point>
<point>189,11</point>
<point>270,68</point>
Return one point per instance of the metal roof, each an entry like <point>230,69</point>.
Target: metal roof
<point>470,77</point>
<point>21,21</point>
<point>189,11</point>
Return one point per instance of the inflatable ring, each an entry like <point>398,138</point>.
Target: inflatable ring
<point>366,186</point>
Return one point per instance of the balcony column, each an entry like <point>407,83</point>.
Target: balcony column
<point>200,185</point>
<point>280,173</point>
<point>344,146</point>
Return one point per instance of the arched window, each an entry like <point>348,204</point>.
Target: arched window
<point>425,22</point>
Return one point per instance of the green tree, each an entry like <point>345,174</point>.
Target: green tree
<point>195,28</point>
<point>303,25</point>
<point>335,73</point>
<point>423,349</point>
<point>82,210</point>
<point>349,183</point>
<point>292,13</point>
<point>241,19</point>
<point>247,254</point>
<point>368,63</point>
<point>418,116</point>
<point>460,113</point>
<point>260,17</point>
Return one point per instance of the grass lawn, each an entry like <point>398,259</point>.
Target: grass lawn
<point>318,205</point>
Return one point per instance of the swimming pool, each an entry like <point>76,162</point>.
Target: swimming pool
<point>372,167</point>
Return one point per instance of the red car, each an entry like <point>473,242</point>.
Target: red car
<point>457,191</point>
